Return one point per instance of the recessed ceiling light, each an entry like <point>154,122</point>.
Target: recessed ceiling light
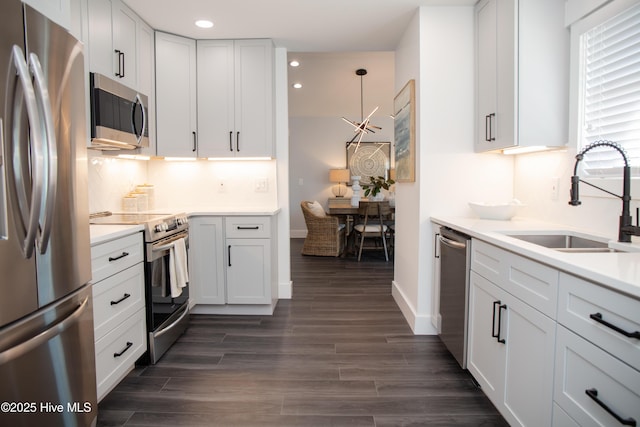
<point>203,23</point>
<point>294,63</point>
<point>297,85</point>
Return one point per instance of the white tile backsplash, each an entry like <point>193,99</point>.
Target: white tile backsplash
<point>110,178</point>
<point>180,185</point>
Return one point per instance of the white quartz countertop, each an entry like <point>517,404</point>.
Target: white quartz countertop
<point>229,211</point>
<point>616,270</point>
<point>103,233</point>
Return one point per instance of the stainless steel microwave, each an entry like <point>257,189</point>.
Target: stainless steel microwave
<point>119,115</point>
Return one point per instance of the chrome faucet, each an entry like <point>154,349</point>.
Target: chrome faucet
<point>626,229</point>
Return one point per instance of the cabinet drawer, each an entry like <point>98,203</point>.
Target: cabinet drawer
<point>583,368</point>
<point>532,282</point>
<point>251,227</point>
<point>116,298</point>
<point>110,257</point>
<point>580,299</point>
<point>118,350</point>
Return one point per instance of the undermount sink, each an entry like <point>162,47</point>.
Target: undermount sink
<point>565,242</point>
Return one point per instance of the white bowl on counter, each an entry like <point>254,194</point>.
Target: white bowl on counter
<point>496,211</point>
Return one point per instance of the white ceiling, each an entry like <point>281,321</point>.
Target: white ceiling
<point>331,38</point>
<point>298,25</point>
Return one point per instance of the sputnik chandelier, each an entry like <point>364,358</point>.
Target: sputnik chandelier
<point>364,126</point>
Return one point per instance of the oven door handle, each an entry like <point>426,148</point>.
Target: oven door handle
<point>171,326</point>
<point>168,244</point>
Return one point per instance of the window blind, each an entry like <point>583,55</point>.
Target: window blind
<point>611,93</point>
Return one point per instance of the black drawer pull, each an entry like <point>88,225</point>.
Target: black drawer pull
<point>493,323</point>
<point>115,258</point>
<point>129,344</point>
<point>248,228</point>
<point>593,394</point>
<point>121,299</point>
<point>500,307</point>
<point>598,318</point>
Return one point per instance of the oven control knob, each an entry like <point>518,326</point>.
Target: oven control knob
<point>182,220</point>
<point>158,228</point>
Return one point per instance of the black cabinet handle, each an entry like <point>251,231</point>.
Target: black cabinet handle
<point>491,120</point>
<point>239,227</point>
<point>593,394</point>
<point>238,141</point>
<point>230,140</point>
<point>115,258</point>
<point>120,72</point>
<point>495,334</point>
<point>129,344</point>
<point>121,299</point>
<point>502,306</point>
<point>493,322</point>
<point>229,254</point>
<point>195,142</point>
<point>487,127</point>
<point>598,318</point>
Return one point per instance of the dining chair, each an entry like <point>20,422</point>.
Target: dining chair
<point>325,234</point>
<point>372,227</point>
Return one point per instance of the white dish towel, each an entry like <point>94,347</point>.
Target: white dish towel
<point>178,271</point>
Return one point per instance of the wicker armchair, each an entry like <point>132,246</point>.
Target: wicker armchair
<point>325,234</point>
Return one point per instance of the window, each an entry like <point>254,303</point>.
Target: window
<point>610,92</point>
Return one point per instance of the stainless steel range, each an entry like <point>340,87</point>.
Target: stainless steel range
<point>166,239</point>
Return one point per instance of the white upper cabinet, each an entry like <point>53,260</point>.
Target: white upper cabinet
<point>146,80</point>
<point>176,134</point>
<point>235,98</point>
<point>522,72</point>
<point>59,11</point>
<point>113,41</point>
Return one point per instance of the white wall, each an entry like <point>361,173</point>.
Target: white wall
<point>599,212</point>
<point>316,145</point>
<point>437,50</point>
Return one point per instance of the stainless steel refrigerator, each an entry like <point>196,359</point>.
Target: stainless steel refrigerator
<point>47,360</point>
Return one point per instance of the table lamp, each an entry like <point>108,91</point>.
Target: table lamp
<point>341,176</point>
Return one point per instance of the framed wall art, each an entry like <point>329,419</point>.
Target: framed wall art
<point>404,131</point>
<point>368,159</point>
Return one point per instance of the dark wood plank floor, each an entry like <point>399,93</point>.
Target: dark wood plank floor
<point>339,353</point>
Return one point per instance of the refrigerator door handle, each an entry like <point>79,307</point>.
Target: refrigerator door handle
<point>51,151</point>
<point>37,340</point>
<point>29,212</point>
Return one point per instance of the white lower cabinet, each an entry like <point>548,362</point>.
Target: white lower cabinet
<point>206,258</point>
<point>597,380</point>
<point>550,348</point>
<point>118,309</point>
<point>231,264</point>
<point>248,271</point>
<point>511,353</point>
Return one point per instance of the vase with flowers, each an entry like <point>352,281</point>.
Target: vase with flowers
<point>375,185</point>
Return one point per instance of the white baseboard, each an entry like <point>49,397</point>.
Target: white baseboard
<point>285,290</point>
<point>235,309</point>
<point>420,324</point>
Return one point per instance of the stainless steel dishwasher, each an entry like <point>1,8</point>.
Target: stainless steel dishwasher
<point>454,292</point>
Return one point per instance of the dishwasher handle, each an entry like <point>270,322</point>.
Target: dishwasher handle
<point>452,243</point>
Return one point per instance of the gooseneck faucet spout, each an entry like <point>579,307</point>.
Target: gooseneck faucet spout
<point>626,229</point>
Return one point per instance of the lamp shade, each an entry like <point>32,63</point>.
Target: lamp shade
<point>339,175</point>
